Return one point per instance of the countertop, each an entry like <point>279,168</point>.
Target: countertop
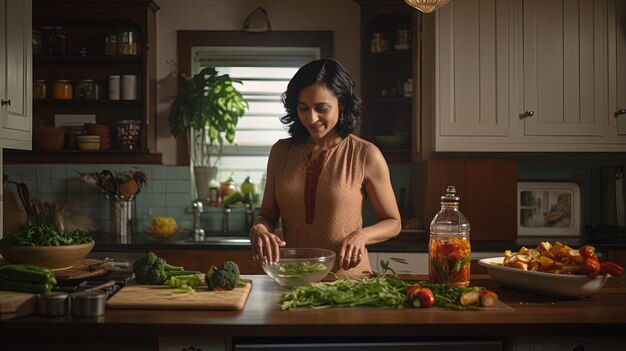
<point>406,241</point>
<point>602,314</point>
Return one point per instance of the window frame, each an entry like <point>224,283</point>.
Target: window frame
<point>186,39</point>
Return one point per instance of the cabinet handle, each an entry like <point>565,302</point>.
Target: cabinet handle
<point>529,113</point>
<point>5,102</point>
<point>621,111</point>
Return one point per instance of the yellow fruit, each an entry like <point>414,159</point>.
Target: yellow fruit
<point>163,226</point>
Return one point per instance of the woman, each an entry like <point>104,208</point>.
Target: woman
<point>318,179</point>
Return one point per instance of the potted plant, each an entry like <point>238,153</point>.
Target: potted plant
<point>207,108</point>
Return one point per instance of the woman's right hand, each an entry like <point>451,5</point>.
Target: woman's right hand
<point>265,244</point>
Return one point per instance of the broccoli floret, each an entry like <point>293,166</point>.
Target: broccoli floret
<point>224,277</point>
<point>151,269</point>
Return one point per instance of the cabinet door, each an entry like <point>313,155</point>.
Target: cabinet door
<point>473,65</point>
<point>620,105</point>
<point>566,67</point>
<point>17,77</point>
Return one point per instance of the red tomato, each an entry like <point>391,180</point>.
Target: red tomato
<point>591,267</point>
<point>587,251</point>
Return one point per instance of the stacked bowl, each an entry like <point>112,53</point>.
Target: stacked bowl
<point>102,131</point>
<point>88,142</point>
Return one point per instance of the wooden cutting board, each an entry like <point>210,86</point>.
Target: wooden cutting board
<point>162,297</point>
<point>15,304</point>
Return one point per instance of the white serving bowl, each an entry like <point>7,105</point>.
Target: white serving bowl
<point>559,285</point>
<point>300,266</point>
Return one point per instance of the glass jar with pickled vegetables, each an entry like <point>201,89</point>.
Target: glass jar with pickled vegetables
<point>449,245</point>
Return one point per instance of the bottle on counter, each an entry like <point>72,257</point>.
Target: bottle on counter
<point>449,246</point>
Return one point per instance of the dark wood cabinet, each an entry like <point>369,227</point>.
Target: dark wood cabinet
<point>71,36</point>
<point>488,192</point>
<point>388,78</point>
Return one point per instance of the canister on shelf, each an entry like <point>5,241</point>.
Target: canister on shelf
<point>129,87</point>
<point>114,87</point>
<point>40,89</point>
<point>62,89</point>
<point>129,134</point>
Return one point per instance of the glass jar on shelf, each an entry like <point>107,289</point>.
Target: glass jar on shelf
<point>379,43</point>
<point>56,40</point>
<point>87,89</point>
<point>62,89</point>
<point>449,245</point>
<point>128,42</point>
<point>40,89</point>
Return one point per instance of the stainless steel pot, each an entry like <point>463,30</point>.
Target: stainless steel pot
<point>88,303</point>
<point>53,304</point>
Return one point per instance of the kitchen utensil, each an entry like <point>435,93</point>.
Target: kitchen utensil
<point>161,297</point>
<point>102,286</point>
<point>108,182</point>
<point>81,270</point>
<point>53,304</point>
<point>88,303</point>
<point>95,266</point>
<point>24,194</point>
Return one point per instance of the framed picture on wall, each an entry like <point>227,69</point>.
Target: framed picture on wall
<point>548,209</point>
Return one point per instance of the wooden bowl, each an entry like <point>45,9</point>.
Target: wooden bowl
<point>53,257</point>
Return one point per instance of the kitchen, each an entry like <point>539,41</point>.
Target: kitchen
<point>478,172</point>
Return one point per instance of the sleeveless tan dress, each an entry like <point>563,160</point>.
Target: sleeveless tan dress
<point>336,191</point>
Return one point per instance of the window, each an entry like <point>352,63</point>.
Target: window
<point>265,62</point>
<point>265,73</point>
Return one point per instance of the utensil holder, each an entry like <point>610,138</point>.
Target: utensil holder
<point>121,218</point>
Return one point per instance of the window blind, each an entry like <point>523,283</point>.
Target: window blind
<point>265,73</point>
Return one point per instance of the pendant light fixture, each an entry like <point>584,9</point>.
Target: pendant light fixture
<point>427,6</point>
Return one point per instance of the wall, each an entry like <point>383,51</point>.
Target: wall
<point>340,16</point>
<point>167,193</point>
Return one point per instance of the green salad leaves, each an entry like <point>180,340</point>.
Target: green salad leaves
<point>43,234</point>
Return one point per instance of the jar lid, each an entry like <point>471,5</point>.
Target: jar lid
<point>86,80</point>
<point>130,121</point>
<point>62,81</point>
<point>53,295</point>
<point>450,195</point>
<point>89,295</point>
<point>40,80</point>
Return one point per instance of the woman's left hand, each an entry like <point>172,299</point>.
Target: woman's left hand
<point>352,250</point>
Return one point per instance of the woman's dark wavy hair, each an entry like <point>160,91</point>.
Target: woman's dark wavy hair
<point>334,76</point>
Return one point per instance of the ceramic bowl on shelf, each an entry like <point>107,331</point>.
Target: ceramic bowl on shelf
<point>300,266</point>
<point>88,142</point>
<point>53,257</point>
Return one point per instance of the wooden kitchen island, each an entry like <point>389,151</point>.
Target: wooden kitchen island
<point>527,319</point>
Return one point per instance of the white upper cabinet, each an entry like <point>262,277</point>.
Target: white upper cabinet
<point>529,75</point>
<point>473,68</point>
<point>16,74</point>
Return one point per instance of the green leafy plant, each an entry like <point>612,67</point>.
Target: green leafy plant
<point>208,107</point>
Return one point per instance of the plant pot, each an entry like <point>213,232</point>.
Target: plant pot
<point>204,175</point>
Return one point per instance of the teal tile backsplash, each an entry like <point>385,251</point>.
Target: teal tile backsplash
<point>167,193</point>
<point>168,190</point>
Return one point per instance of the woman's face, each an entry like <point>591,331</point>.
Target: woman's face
<point>318,110</point>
